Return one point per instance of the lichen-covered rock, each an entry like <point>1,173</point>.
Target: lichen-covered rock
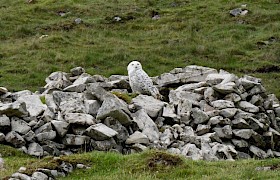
<point>100,132</point>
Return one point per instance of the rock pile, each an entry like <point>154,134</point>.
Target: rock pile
<point>206,115</point>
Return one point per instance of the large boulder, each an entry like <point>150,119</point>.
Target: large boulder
<point>34,105</point>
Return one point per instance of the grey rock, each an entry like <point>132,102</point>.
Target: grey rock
<point>59,96</point>
<point>169,111</point>
<point>61,127</point>
<point>137,137</point>
<point>2,137</point>
<point>72,106</point>
<point>222,104</point>
<point>199,116</point>
<point>210,95</point>
<point>100,132</point>
<point>21,176</point>
<point>175,96</point>
<point>184,75</point>
<point>105,145</point>
<point>257,100</point>
<point>146,125</point>
<point>66,167</point>
<point>91,107</point>
<point>75,88</point>
<point>207,152</point>
<point>242,155</point>
<point>5,123</point>
<point>48,115</point>
<point>243,133</point>
<point>257,89</point>
<point>56,80</point>
<point>202,129</point>
<point>232,97</point>
<point>166,137</point>
<point>247,83</point>
<point>224,132</point>
<point>228,112</point>
<point>76,71</point>
<point>116,108</point>
<point>235,12</point>
<point>192,152</point>
<point>29,136</point>
<point>34,105</point>
<point>79,118</point>
<point>117,126</point>
<point>226,88</point>
<point>40,175</point>
<point>151,105</point>
<point>43,136</point>
<point>19,125</point>
<point>191,86</point>
<point>15,139</point>
<point>258,152</point>
<point>3,90</point>
<point>50,102</point>
<point>223,151</point>
<point>185,106</point>
<point>18,94</point>
<point>44,128</point>
<point>240,143</point>
<point>84,79</point>
<point>14,109</point>
<point>35,149</point>
<point>76,140</point>
<point>246,106</point>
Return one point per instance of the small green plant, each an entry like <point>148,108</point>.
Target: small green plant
<point>124,96</point>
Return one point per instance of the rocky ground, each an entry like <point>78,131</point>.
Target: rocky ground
<point>205,115</point>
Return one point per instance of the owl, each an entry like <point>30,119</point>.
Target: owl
<point>140,82</point>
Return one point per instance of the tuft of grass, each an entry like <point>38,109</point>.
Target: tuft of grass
<point>124,96</point>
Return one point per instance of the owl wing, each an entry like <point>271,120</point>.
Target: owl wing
<point>148,85</point>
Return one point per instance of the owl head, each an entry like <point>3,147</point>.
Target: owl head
<point>134,65</point>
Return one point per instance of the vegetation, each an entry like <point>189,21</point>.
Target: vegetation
<point>146,165</point>
<point>42,37</point>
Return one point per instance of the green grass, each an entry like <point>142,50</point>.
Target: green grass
<point>197,32</point>
<point>146,165</point>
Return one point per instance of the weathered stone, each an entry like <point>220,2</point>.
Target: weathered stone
<point>61,127</point>
<point>258,152</point>
<point>3,90</point>
<point>16,95</point>
<point>15,139</point>
<point>222,104</point>
<point>34,105</point>
<point>166,137</point>
<point>257,100</point>
<point>75,140</point>
<point>2,137</point>
<point>75,88</point>
<point>257,89</point>
<point>34,149</point>
<point>105,145</point>
<point>40,175</point>
<point>76,71</point>
<point>240,124</point>
<point>228,112</point>
<point>137,137</point>
<point>5,123</point>
<point>226,88</point>
<point>44,128</point>
<point>215,120</point>
<point>19,126</point>
<point>210,95</point>
<point>207,152</point>
<point>91,107</point>
<point>243,133</point>
<point>116,108</point>
<point>57,80</point>
<point>246,106</point>
<point>175,96</point>
<point>117,126</point>
<point>199,116</point>
<point>169,111</point>
<point>14,109</point>
<point>72,106</point>
<point>192,152</point>
<point>242,114</point>
<point>146,125</point>
<point>232,97</point>
<point>79,118</point>
<point>184,75</point>
<point>223,151</point>
<point>100,132</point>
<point>246,83</point>
<point>224,132</point>
<point>21,176</point>
<point>43,136</point>
<point>240,143</point>
<point>202,129</point>
<point>29,136</point>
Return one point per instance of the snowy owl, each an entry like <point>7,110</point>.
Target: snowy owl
<point>140,82</point>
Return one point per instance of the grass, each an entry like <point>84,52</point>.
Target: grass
<point>188,32</point>
<point>146,165</point>
<point>196,32</point>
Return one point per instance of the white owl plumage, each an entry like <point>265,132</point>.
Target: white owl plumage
<point>140,82</point>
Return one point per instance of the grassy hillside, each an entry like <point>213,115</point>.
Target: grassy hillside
<point>146,165</point>
<point>197,32</point>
